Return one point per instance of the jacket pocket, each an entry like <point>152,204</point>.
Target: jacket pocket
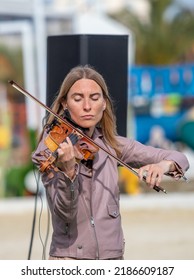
<point>113,210</point>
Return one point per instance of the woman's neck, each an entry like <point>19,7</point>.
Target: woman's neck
<point>89,132</point>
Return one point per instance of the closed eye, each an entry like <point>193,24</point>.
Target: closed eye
<point>77,96</point>
<point>95,96</point>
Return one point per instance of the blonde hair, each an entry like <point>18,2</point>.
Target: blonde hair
<point>108,121</point>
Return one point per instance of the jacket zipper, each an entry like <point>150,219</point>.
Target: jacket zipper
<point>90,216</point>
<point>93,225</point>
<point>91,219</point>
<point>72,193</point>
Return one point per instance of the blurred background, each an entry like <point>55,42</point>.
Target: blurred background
<point>160,103</point>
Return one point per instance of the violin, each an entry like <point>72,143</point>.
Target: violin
<point>65,128</point>
<point>57,134</point>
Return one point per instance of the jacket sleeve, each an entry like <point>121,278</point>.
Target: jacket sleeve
<point>137,155</point>
<point>62,195</point>
<point>62,192</point>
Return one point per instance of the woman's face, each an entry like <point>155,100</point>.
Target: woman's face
<point>85,103</point>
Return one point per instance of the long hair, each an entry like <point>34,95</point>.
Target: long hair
<point>108,121</point>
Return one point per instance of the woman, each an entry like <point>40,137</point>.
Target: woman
<point>83,195</point>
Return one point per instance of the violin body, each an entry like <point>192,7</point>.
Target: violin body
<point>57,134</point>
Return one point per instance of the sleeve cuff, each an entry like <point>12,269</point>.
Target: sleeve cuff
<point>76,173</point>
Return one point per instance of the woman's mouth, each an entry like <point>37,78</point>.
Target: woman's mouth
<point>87,117</point>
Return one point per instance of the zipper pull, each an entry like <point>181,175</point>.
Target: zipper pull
<point>72,192</point>
<point>92,221</point>
<point>66,228</point>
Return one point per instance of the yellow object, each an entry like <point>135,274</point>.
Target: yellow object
<point>129,181</point>
<point>5,137</point>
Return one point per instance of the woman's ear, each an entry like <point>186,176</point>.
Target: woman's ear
<point>64,104</point>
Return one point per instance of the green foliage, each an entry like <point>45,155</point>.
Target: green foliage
<point>32,138</point>
<point>11,68</point>
<point>15,180</point>
<point>159,41</point>
<point>15,176</point>
<point>184,133</point>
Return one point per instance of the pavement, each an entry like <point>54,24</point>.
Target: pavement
<point>156,226</point>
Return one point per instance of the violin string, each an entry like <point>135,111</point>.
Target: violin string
<point>74,138</point>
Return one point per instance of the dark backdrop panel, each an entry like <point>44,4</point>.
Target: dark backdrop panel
<point>107,53</point>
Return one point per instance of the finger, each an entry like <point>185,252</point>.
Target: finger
<point>146,174</point>
<point>154,179</point>
<point>69,141</point>
<point>60,152</point>
<point>66,146</point>
<point>66,150</point>
<point>149,177</point>
<point>158,180</point>
<point>142,173</point>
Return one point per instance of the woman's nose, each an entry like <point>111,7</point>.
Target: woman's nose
<point>87,105</point>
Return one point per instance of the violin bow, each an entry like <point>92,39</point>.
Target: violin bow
<point>27,94</point>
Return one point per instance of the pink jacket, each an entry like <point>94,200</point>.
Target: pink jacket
<point>85,213</point>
